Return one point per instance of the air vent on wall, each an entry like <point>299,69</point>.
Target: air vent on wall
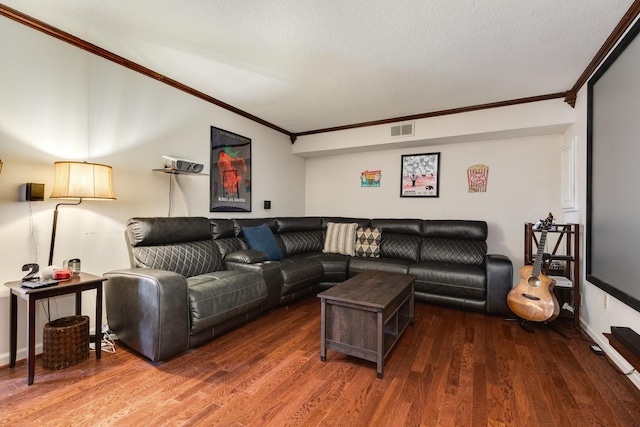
<point>403,129</point>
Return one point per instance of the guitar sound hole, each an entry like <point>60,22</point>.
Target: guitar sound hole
<point>533,281</point>
<point>531,297</point>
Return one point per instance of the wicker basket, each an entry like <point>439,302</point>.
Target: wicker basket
<point>65,342</point>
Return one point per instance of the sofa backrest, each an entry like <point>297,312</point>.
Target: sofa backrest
<point>238,223</point>
<point>300,234</point>
<point>362,222</point>
<point>454,241</point>
<point>400,238</point>
<point>197,245</point>
<point>181,244</point>
<point>224,235</point>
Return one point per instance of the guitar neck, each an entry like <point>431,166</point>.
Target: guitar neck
<point>537,264</point>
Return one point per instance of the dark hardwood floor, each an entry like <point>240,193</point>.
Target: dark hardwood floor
<point>451,368</point>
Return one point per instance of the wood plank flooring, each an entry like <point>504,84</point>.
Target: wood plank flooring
<point>452,368</point>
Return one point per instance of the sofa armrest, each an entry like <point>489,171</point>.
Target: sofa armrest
<point>499,283</point>
<point>247,256</point>
<point>148,309</point>
<point>270,272</point>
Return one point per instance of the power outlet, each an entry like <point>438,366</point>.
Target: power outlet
<point>605,301</point>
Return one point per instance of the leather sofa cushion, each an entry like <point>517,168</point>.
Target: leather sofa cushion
<point>300,273</point>
<point>188,259</point>
<point>248,256</point>
<point>398,226</point>
<point>471,304</point>
<point>165,231</point>
<point>335,266</point>
<point>401,246</point>
<point>455,229</point>
<point>291,224</point>
<point>362,222</point>
<point>229,245</point>
<point>454,280</point>
<point>453,251</point>
<point>358,265</point>
<point>222,228</point>
<point>296,242</point>
<point>223,295</point>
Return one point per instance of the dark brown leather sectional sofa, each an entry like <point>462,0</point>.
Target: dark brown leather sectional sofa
<point>193,278</point>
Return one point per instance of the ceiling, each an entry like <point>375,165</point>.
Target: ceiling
<point>305,65</point>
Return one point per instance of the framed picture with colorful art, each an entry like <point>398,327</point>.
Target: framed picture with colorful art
<point>230,182</point>
<point>420,175</point>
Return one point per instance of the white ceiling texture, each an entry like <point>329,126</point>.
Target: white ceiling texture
<point>305,65</point>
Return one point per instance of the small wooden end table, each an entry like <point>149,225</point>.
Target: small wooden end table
<point>366,315</point>
<point>77,284</point>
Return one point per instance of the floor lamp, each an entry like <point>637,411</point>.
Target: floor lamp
<point>79,180</point>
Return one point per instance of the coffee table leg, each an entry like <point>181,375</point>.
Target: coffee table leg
<point>412,306</point>
<point>323,331</point>
<point>380,352</point>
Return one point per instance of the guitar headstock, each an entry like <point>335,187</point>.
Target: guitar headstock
<point>544,224</point>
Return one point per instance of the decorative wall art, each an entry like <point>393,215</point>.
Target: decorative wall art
<point>478,176</point>
<point>370,178</point>
<point>230,172</point>
<point>420,175</point>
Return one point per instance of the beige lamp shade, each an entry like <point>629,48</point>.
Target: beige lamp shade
<point>82,180</point>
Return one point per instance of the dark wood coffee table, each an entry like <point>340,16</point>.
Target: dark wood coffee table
<point>366,315</point>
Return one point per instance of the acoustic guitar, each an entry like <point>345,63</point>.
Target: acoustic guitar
<point>533,298</point>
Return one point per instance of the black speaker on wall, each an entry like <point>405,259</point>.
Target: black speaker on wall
<point>34,192</point>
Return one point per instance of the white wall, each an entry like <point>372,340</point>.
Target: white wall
<point>523,186</point>
<point>58,102</point>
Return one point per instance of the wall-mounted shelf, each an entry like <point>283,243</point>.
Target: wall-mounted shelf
<point>177,172</point>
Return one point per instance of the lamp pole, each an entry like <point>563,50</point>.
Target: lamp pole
<point>55,224</point>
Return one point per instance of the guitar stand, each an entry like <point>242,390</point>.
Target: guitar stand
<point>524,324</point>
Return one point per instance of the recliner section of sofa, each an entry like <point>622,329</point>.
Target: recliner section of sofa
<point>194,278</point>
<point>177,294</point>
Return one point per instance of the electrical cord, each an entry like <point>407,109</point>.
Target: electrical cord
<point>107,343</point>
<point>170,195</point>
<point>615,367</point>
<point>184,203</point>
<point>173,181</point>
<point>34,245</point>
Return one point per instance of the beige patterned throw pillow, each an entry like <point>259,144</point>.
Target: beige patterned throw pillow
<point>340,239</point>
<point>368,242</point>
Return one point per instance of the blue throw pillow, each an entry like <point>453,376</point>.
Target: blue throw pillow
<point>261,238</point>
